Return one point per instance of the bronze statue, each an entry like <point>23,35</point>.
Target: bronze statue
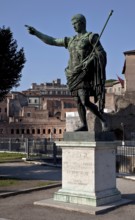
<point>85,77</point>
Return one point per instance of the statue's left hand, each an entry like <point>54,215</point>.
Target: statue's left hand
<point>87,63</point>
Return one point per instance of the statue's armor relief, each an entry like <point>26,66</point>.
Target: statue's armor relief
<point>79,48</point>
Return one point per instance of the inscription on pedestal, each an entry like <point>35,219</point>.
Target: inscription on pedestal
<point>78,169</point>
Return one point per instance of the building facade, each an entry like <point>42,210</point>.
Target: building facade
<point>40,112</point>
<point>129,71</point>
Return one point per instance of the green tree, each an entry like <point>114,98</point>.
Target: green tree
<point>11,62</point>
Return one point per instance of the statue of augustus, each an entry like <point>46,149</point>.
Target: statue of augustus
<point>85,71</point>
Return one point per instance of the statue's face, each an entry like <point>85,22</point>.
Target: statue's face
<point>78,26</point>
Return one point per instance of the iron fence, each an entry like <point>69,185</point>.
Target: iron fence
<point>42,149</point>
<point>125,158</point>
<point>34,149</point>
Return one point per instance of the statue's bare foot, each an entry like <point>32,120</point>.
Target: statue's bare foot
<point>82,128</point>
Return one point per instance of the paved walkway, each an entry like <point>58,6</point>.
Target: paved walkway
<point>21,207</point>
<point>26,171</point>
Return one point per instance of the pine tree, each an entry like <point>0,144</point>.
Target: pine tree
<point>11,62</point>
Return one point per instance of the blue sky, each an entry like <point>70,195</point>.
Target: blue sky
<point>53,17</point>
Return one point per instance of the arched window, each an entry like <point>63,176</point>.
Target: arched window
<point>12,131</point>
<point>28,131</point>
<point>49,131</point>
<point>22,131</point>
<point>38,131</point>
<point>17,131</point>
<point>33,131</point>
<point>60,131</point>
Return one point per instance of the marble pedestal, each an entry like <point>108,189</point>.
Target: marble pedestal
<point>88,170</point>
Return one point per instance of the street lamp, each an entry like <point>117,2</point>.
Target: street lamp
<point>123,135</point>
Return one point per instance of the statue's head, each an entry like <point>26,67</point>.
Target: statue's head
<point>79,17</point>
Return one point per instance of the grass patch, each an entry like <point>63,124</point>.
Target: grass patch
<point>5,156</point>
<point>8,182</point>
<point>21,184</point>
<point>45,183</point>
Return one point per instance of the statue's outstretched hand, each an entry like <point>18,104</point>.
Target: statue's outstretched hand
<point>30,29</point>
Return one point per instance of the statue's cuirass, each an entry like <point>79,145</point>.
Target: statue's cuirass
<point>79,48</point>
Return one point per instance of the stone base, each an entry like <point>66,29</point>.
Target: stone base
<point>95,199</point>
<point>89,136</point>
<point>88,169</point>
<point>51,203</point>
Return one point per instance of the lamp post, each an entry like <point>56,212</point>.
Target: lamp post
<point>123,135</point>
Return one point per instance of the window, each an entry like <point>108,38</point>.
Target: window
<point>22,131</point>
<point>28,114</point>
<point>49,131</point>
<point>1,131</point>
<point>54,130</point>
<point>60,131</point>
<point>35,100</point>
<point>28,131</point>
<point>12,131</point>
<point>33,131</point>
<point>5,109</point>
<point>17,131</point>
<point>38,131</point>
<point>43,131</point>
<point>110,90</point>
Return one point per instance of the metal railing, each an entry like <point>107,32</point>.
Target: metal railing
<point>34,149</point>
<point>125,158</point>
<point>42,149</point>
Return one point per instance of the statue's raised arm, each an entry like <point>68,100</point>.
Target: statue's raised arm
<point>45,38</point>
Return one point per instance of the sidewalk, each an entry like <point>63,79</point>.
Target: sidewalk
<point>21,207</point>
<point>32,177</point>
